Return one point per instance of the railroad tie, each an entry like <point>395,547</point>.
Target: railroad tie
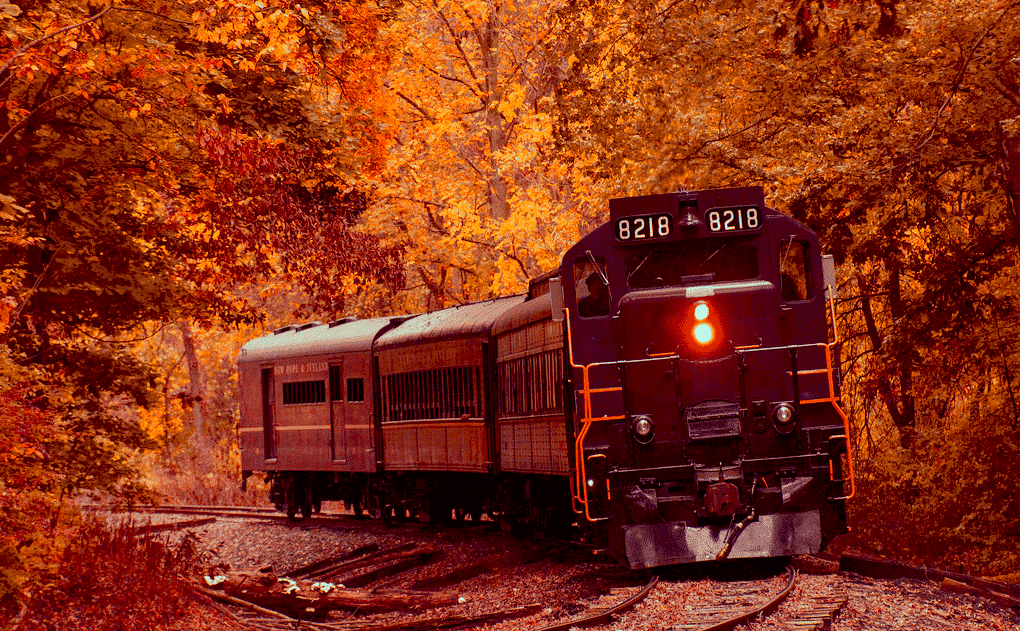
<point>819,612</point>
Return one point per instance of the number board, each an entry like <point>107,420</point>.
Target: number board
<point>643,227</point>
<point>732,219</point>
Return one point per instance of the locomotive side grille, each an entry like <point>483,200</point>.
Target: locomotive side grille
<point>713,419</point>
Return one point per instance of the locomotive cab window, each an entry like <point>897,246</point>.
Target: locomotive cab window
<point>794,271</point>
<point>686,262</point>
<point>591,286</point>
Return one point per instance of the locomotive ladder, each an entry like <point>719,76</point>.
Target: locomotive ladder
<point>579,488</point>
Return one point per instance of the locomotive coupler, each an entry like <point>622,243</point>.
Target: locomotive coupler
<point>722,499</point>
<point>721,485</point>
<point>735,532</point>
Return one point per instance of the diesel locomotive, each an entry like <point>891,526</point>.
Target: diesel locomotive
<point>670,394</point>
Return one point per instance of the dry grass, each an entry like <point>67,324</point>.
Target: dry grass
<point>214,489</point>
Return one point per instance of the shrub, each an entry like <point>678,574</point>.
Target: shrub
<point>111,578</point>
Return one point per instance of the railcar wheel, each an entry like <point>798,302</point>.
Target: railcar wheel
<point>375,506</point>
<point>305,495</point>
<point>288,501</point>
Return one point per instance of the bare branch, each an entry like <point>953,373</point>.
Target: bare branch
<point>421,110</point>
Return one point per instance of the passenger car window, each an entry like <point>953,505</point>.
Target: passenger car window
<point>355,390</point>
<point>591,286</point>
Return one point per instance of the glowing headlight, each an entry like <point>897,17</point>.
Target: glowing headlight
<point>703,333</point>
<point>701,311</point>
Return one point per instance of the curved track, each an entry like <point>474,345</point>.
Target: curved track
<point>597,617</point>
<point>766,608</point>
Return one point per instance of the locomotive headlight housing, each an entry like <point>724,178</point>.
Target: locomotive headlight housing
<point>703,333</point>
<point>702,323</point>
<point>643,429</point>
<point>784,415</point>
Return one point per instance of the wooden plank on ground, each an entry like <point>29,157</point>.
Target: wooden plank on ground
<point>302,598</point>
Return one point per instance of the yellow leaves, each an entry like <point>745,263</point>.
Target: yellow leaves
<point>512,102</point>
<point>456,158</point>
<point>9,210</point>
<point>224,103</point>
<point>9,11</point>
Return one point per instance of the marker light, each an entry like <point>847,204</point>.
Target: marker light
<point>703,333</point>
<point>643,429</point>
<point>784,416</point>
<point>701,311</point>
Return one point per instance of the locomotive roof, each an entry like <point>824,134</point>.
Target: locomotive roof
<point>467,320</point>
<point>315,339</point>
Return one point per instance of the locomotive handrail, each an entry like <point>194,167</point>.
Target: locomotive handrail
<point>832,399</point>
<point>846,431</point>
<point>580,491</point>
<point>846,421</point>
<point>846,427</point>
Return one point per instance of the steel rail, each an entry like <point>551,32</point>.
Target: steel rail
<point>605,616</point>
<point>765,609</point>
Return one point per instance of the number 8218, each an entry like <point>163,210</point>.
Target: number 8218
<point>644,227</point>
<point>727,219</point>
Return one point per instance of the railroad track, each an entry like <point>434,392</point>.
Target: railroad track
<point>198,515</point>
<point>599,615</point>
<point>731,604</point>
<point>265,513</point>
<point>719,606</point>
<point>225,511</point>
<point>736,603</point>
<point>715,605</point>
<point>370,569</point>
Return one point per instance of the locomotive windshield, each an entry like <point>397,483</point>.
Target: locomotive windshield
<point>685,262</point>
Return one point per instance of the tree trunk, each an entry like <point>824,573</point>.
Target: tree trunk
<point>899,402</point>
<point>493,119</point>
<point>195,397</point>
<point>1009,145</point>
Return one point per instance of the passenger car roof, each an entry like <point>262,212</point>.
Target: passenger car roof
<point>315,339</point>
<point>467,320</point>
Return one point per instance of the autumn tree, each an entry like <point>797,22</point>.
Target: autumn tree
<point>887,127</point>
<point>473,183</point>
<point>157,156</point>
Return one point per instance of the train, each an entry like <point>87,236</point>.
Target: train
<point>669,394</point>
